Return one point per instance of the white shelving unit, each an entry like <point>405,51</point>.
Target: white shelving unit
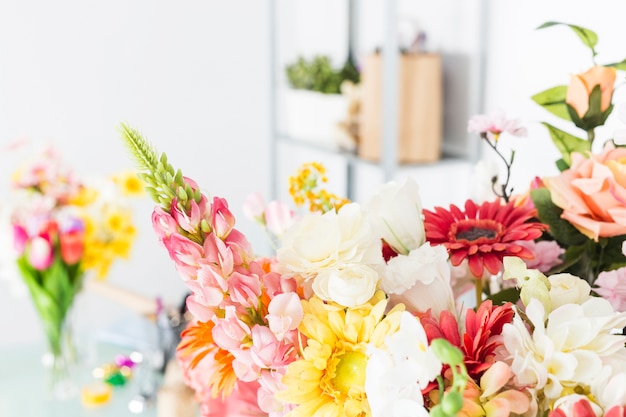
<point>359,176</point>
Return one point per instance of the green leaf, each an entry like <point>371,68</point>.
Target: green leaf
<point>562,231</point>
<point>505,296</point>
<point>588,37</point>
<point>618,65</point>
<point>553,100</point>
<point>567,143</point>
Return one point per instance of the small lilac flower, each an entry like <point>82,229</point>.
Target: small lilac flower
<point>494,124</point>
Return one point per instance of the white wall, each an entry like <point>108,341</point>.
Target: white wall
<point>192,76</point>
<point>523,61</point>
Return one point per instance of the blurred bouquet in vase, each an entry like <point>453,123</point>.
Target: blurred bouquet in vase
<point>61,228</point>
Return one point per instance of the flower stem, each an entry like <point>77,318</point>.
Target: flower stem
<point>478,284</point>
<point>591,135</point>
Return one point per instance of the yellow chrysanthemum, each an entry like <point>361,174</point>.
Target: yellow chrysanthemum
<point>329,379</point>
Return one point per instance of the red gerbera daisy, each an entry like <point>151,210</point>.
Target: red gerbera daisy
<point>483,234</point>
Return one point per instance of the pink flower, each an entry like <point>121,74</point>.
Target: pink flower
<point>278,217</point>
<point>612,287</point>
<point>574,406</point>
<point>222,219</point>
<point>230,331</point>
<point>592,192</point>
<point>244,289</point>
<point>547,254</point>
<point>494,124</point>
<point>184,253</point>
<point>163,223</point>
<point>40,253</point>
<point>20,239</point>
<point>284,313</point>
<point>254,206</point>
<point>190,222</point>
<point>616,411</point>
<point>241,403</point>
<point>270,382</point>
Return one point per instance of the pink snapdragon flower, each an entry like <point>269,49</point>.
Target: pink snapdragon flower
<point>284,314</point>
<point>494,124</point>
<point>189,222</point>
<point>611,285</point>
<point>222,220</point>
<point>230,331</point>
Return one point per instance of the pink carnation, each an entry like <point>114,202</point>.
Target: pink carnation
<point>547,254</point>
<point>612,287</point>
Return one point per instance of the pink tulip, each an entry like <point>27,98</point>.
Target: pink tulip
<point>40,253</point>
<point>72,246</point>
<point>20,239</point>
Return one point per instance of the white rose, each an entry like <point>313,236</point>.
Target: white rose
<point>568,289</point>
<point>329,241</point>
<point>349,286</point>
<point>396,212</point>
<point>420,280</point>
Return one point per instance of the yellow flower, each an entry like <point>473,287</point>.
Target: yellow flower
<point>329,378</point>
<point>130,184</point>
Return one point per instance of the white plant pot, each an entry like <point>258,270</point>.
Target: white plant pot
<point>313,116</point>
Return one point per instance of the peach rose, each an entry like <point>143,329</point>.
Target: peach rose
<point>592,192</point>
<point>581,85</point>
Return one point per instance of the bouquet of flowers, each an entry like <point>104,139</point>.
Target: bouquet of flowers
<point>358,311</point>
<point>60,228</point>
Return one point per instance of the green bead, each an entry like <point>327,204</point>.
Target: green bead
<point>116,379</point>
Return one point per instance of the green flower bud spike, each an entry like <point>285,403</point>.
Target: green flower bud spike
<point>163,183</point>
<point>450,401</point>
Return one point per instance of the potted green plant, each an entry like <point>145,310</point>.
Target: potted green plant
<point>314,104</point>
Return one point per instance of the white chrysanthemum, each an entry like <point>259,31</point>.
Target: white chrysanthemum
<point>395,377</point>
<point>576,346</point>
<point>332,240</point>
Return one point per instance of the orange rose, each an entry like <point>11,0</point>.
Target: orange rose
<point>581,85</point>
<point>592,193</point>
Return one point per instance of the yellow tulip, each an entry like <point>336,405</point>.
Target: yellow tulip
<point>581,85</point>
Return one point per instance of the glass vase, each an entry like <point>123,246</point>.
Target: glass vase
<point>61,359</point>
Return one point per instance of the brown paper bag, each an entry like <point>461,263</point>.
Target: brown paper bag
<point>420,108</point>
